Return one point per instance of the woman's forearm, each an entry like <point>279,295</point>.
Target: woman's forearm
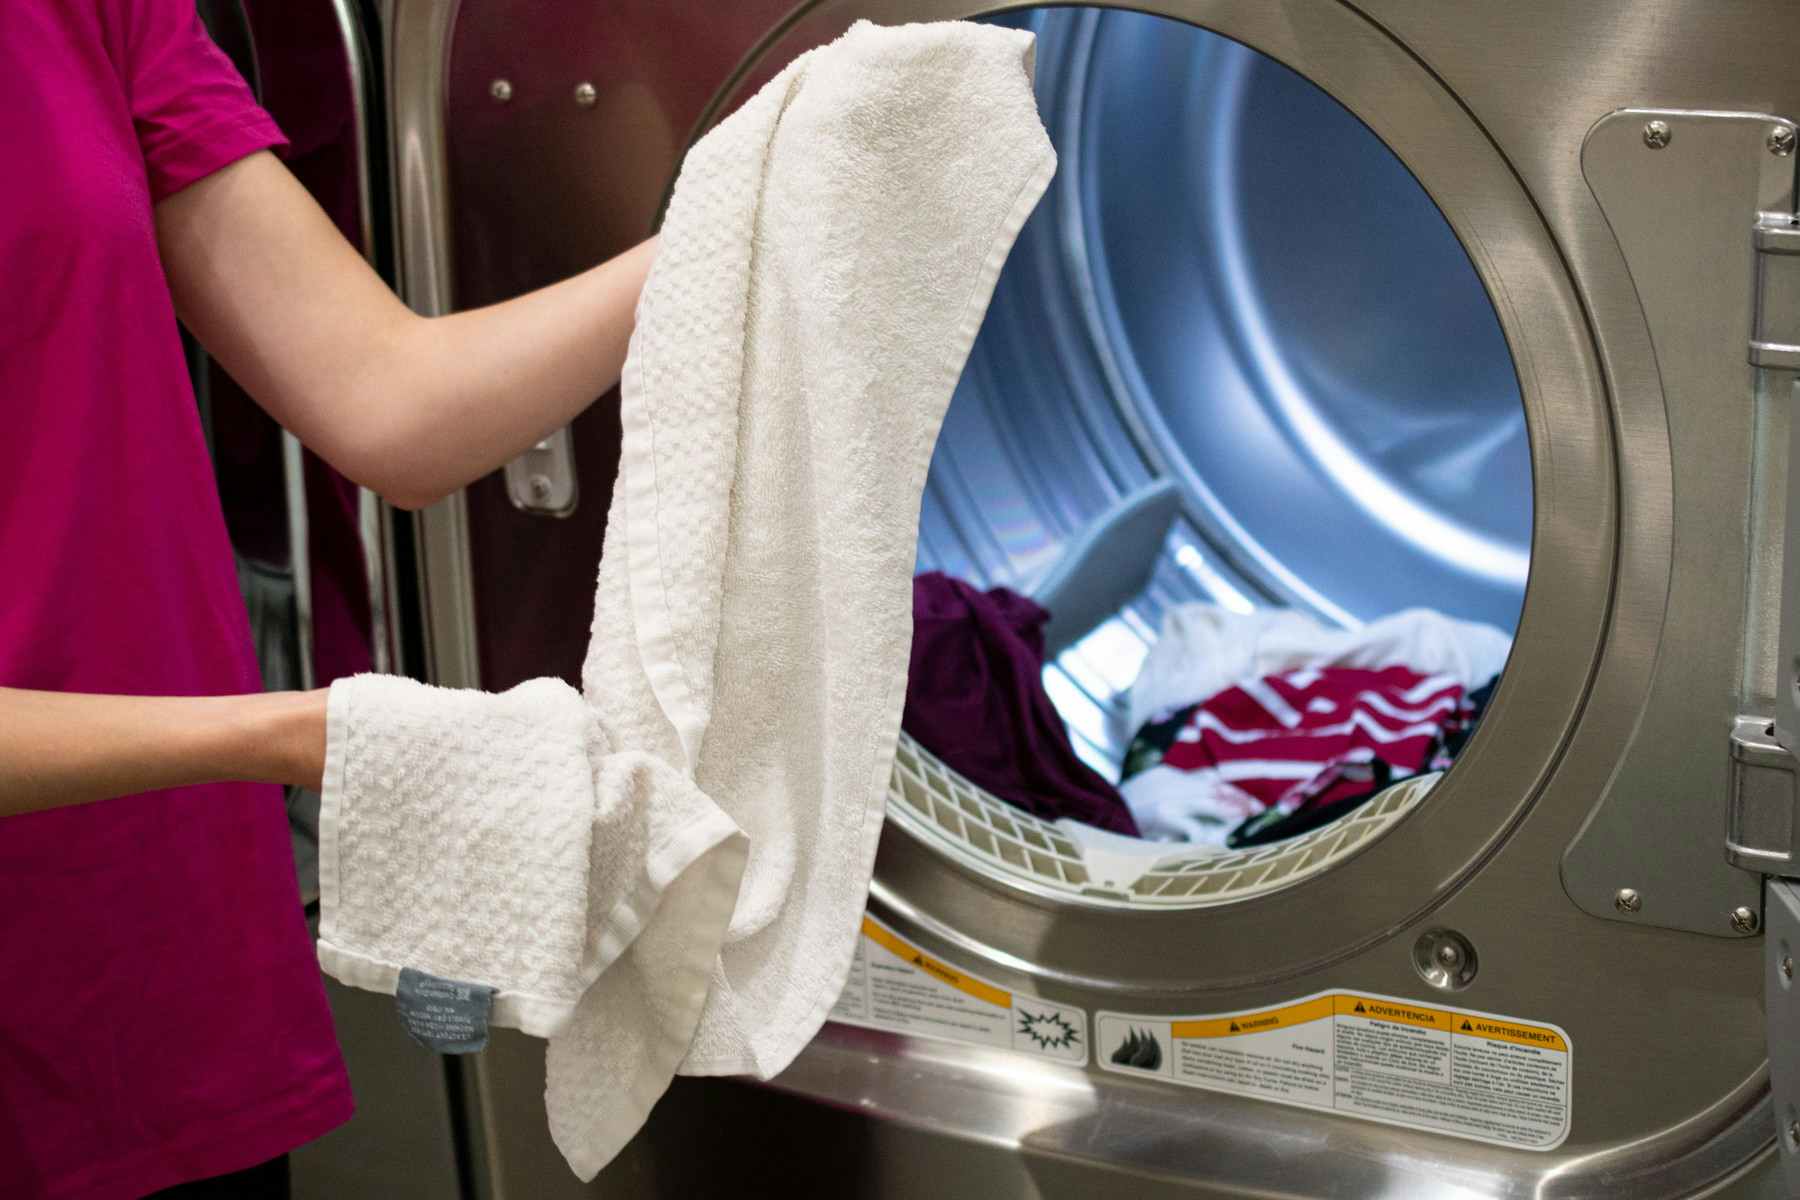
<point>461,395</point>
<point>58,748</point>
<point>408,406</point>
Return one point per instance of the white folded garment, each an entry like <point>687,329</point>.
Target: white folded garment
<point>1203,650</point>
<point>828,255</point>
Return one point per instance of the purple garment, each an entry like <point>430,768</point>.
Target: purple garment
<point>975,698</point>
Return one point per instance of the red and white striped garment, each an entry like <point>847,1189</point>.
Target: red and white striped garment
<point>1304,738</point>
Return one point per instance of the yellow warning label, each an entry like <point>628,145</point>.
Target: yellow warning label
<point>880,935</point>
<point>1387,1010</point>
<point>1379,1058</point>
<point>1512,1031</point>
<point>1259,1022</point>
<point>895,986</point>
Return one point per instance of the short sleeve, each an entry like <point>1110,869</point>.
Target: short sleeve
<point>191,109</point>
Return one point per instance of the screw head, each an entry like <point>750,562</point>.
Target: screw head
<point>1744,920</point>
<point>501,90</point>
<point>1787,967</point>
<point>1449,955</point>
<point>1657,134</point>
<point>1781,140</point>
<point>1627,900</point>
<point>539,487</point>
<point>586,95</point>
<point>1793,1135</point>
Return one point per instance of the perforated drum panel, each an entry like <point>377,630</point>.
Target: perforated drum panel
<point>1069,861</point>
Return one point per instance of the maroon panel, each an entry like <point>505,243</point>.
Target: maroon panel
<point>542,188</point>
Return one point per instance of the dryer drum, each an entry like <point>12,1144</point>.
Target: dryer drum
<point>1235,286</point>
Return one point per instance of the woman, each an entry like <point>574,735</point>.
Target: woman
<point>163,1020</point>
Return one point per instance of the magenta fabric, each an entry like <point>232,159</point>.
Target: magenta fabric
<point>975,698</point>
<point>1306,739</point>
<point>162,1018</point>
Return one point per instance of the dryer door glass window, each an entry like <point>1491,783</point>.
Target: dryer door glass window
<point>1238,365</point>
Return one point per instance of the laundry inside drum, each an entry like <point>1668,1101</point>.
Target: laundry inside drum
<point>1227,532</point>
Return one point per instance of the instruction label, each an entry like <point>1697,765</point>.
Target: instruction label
<point>896,986</point>
<point>1400,1062</point>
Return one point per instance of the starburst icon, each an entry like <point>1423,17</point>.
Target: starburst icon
<point>1050,1030</point>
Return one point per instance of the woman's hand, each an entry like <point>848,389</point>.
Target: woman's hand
<point>410,407</point>
<point>59,748</point>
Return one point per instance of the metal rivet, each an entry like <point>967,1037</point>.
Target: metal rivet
<point>1627,900</point>
<point>585,95</point>
<point>1781,141</point>
<point>1657,134</point>
<point>539,487</point>
<point>501,90</point>
<point>1743,920</point>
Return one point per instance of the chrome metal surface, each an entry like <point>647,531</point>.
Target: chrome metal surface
<point>542,480</point>
<point>586,95</point>
<point>1745,920</point>
<point>1639,638</point>
<point>1656,134</point>
<point>293,477</point>
<point>417,38</point>
<point>1760,811</point>
<point>1710,183</point>
<point>1781,140</point>
<point>1775,333</point>
<point>1445,959</point>
<point>1627,900</point>
<point>501,90</point>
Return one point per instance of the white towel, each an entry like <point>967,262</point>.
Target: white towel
<point>828,255</point>
<point>1203,650</point>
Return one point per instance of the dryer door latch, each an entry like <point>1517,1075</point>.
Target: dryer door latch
<point>541,481</point>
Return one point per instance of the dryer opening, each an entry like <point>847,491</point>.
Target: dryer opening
<point>1243,420</point>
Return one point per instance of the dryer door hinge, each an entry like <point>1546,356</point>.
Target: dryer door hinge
<point>1775,334</point>
<point>1760,821</point>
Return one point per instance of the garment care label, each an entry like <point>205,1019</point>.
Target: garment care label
<point>1468,1074</point>
<point>444,1015</point>
<point>898,987</point>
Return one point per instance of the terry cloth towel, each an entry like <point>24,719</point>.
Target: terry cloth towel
<point>826,261</point>
<point>1203,650</point>
<point>975,698</point>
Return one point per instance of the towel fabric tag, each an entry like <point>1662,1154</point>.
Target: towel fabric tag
<point>447,1016</point>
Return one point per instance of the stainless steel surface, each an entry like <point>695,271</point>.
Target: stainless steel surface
<point>542,480</point>
<point>1682,219</point>
<point>1782,1004</point>
<point>1639,639</point>
<point>1760,811</point>
<point>417,33</point>
<point>1781,140</point>
<point>293,478</point>
<point>1445,959</point>
<point>1775,335</point>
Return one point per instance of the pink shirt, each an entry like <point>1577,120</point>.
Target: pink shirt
<point>161,1014</point>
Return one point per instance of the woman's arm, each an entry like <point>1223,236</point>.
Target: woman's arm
<point>408,406</point>
<point>58,748</point>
